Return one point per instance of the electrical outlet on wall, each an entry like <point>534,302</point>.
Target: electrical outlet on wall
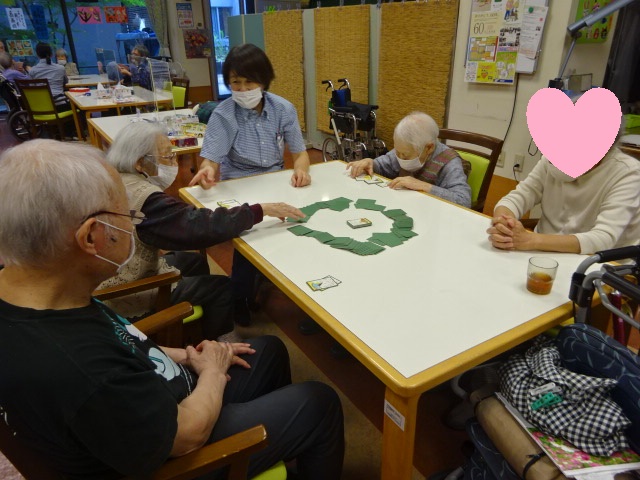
<point>500,162</point>
<point>518,162</point>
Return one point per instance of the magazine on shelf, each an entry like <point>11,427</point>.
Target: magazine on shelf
<point>571,461</point>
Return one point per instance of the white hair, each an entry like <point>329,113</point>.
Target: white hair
<point>47,188</point>
<point>133,143</point>
<point>418,130</point>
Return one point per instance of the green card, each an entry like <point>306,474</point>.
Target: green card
<point>396,212</point>
<point>403,222</point>
<point>388,239</point>
<point>300,230</point>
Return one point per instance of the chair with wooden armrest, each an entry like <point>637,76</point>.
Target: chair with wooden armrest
<point>482,163</point>
<point>233,451</point>
<point>172,335</point>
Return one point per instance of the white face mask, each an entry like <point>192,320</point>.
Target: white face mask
<point>248,99</point>
<point>62,62</point>
<point>132,248</point>
<point>410,165</point>
<point>166,175</point>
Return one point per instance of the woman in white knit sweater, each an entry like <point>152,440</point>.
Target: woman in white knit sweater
<point>598,210</point>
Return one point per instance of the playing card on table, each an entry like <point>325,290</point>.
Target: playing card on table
<point>373,180</point>
<point>323,283</point>
<point>229,203</point>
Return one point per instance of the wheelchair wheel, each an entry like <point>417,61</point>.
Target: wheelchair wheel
<point>20,127</point>
<point>331,150</point>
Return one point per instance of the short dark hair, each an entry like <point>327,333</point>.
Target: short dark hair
<point>43,50</point>
<point>250,62</point>
<point>142,50</point>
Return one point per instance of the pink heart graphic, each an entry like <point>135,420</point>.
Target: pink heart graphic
<point>574,137</point>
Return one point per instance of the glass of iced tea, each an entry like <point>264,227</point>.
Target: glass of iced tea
<point>541,273</point>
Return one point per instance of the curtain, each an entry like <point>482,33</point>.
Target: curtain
<point>158,13</point>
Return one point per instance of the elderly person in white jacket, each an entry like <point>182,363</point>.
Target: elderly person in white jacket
<point>598,210</point>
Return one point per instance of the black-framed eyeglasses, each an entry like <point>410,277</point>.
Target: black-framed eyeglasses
<point>135,216</point>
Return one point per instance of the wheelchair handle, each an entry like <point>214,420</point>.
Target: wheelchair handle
<point>345,83</point>
<point>329,85</point>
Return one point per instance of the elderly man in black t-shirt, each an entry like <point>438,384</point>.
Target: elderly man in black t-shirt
<point>85,389</point>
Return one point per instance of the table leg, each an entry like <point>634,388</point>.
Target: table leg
<point>398,435</point>
<point>90,131</point>
<point>77,122</point>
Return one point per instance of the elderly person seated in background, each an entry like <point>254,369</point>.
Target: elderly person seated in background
<point>88,393</point>
<point>420,162</point>
<point>143,155</point>
<point>53,72</point>
<point>9,71</point>
<point>598,210</point>
<point>62,59</point>
<point>138,72</point>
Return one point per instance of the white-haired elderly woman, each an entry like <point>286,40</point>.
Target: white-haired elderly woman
<point>420,162</point>
<point>142,154</point>
<point>70,68</point>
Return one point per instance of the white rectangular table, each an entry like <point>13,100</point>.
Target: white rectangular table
<point>415,315</point>
<point>105,129</point>
<point>91,103</point>
<point>88,80</point>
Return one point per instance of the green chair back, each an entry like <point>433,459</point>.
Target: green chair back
<point>482,164</point>
<point>277,472</point>
<point>179,96</point>
<point>479,166</point>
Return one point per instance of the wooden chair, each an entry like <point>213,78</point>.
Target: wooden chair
<point>482,163</point>
<point>180,92</point>
<point>233,451</point>
<point>38,101</point>
<point>172,335</point>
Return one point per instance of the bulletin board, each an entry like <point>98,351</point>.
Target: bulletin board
<point>504,39</point>
<point>282,34</point>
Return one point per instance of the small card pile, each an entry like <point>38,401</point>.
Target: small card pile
<point>323,283</point>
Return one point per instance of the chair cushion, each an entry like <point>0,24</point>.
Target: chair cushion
<point>479,166</point>
<point>277,472</point>
<point>52,118</point>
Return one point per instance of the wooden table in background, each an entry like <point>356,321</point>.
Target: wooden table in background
<point>91,103</point>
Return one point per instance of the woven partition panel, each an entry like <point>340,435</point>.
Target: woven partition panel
<point>342,51</point>
<point>283,43</point>
<point>416,48</point>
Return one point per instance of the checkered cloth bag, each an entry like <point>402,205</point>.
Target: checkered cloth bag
<point>586,417</point>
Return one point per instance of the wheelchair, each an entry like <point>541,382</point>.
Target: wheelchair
<point>18,118</point>
<point>353,125</point>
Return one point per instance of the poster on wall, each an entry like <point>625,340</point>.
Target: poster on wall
<point>20,48</point>
<point>599,31</point>
<point>197,43</point>
<point>16,19</point>
<point>502,34</point>
<point>116,15</point>
<point>89,15</point>
<point>185,15</point>
<point>494,40</point>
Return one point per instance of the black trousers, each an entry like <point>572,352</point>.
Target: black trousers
<point>199,287</point>
<point>304,421</point>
